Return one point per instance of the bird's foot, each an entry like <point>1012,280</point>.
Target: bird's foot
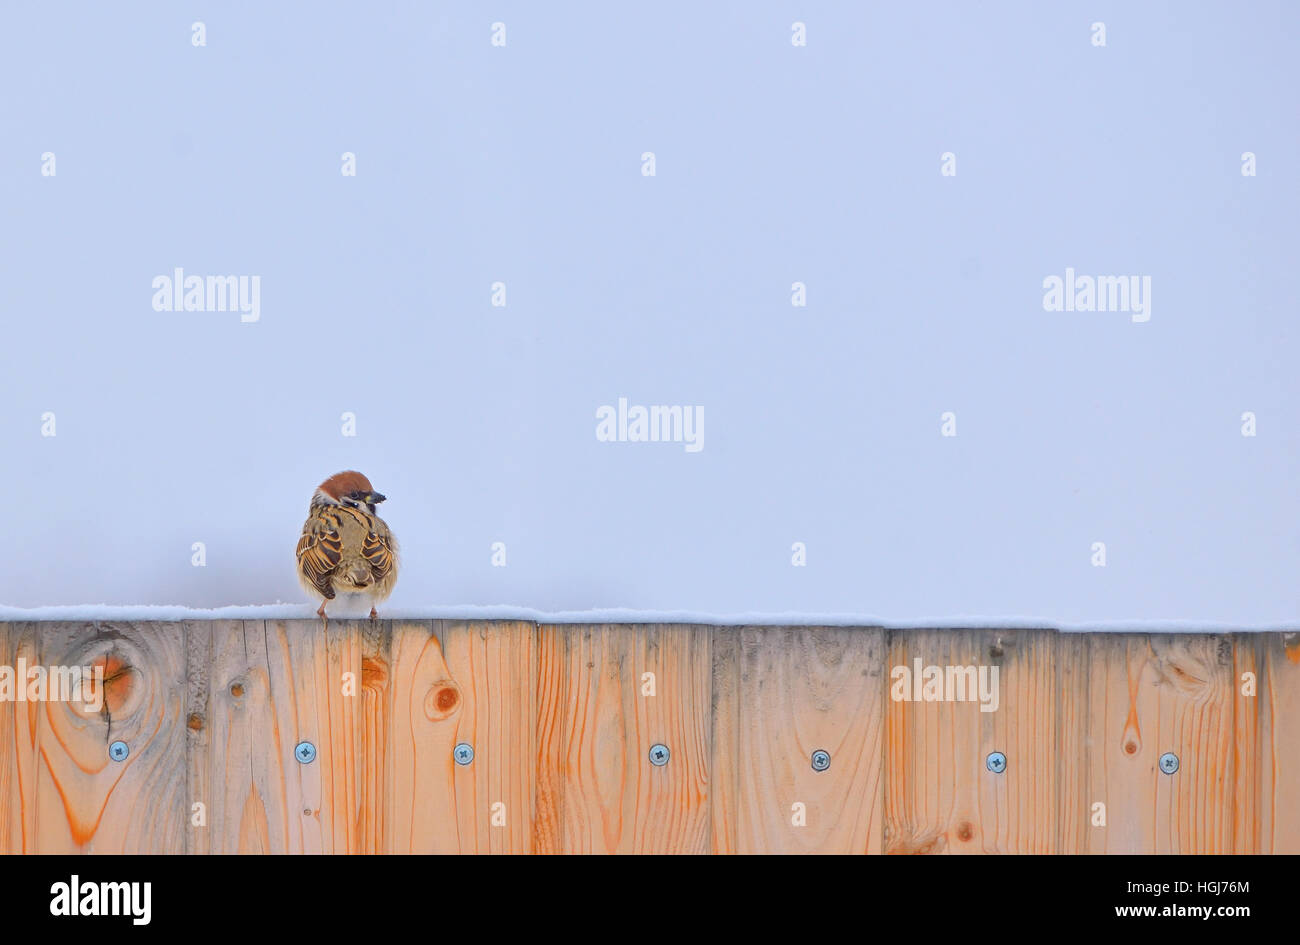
<point>374,614</point>
<point>324,620</point>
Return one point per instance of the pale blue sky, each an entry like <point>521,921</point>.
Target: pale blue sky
<point>775,164</point>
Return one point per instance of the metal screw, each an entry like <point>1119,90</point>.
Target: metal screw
<point>118,751</point>
<point>463,754</point>
<point>821,760</point>
<point>996,762</point>
<point>659,755</point>
<point>305,752</point>
<point>1169,762</point>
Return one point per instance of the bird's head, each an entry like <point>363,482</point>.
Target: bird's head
<point>348,488</point>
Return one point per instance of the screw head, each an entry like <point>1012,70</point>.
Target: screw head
<point>659,755</point>
<point>118,751</point>
<point>996,762</point>
<point>305,752</point>
<point>821,760</point>
<point>463,753</point>
<point>1169,762</point>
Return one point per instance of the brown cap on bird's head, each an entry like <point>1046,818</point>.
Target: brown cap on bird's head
<point>350,483</point>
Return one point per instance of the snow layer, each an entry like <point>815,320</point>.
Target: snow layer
<point>163,612</point>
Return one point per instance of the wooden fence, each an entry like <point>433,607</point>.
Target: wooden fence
<point>562,720</point>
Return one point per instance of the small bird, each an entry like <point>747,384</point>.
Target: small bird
<point>345,547</point>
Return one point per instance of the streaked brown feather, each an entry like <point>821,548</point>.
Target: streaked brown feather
<point>343,548</point>
<point>378,550</point>
<point>319,551</point>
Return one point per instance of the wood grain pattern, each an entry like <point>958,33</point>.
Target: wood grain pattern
<point>271,686</point>
<point>779,695</point>
<point>376,736</point>
<point>613,799</point>
<point>1250,711</point>
<point>1279,751</point>
<point>940,796</point>
<point>423,702</point>
<point>561,723</point>
<point>551,713</point>
<point>1150,695</point>
<point>1074,812</point>
<point>491,666</point>
<point>453,683</point>
<point>86,802</point>
<point>316,686</point>
<point>198,733</point>
<point>18,748</point>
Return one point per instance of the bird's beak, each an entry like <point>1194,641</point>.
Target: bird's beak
<point>375,498</point>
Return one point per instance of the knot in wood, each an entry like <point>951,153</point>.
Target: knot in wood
<point>442,700</point>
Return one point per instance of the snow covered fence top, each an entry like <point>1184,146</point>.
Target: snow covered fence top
<point>283,611</point>
<point>247,735</point>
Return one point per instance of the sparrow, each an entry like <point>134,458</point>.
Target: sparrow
<point>345,547</point>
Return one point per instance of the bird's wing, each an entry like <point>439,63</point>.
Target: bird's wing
<point>380,550</point>
<point>319,551</point>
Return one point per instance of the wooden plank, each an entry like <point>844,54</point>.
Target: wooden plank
<point>320,702</point>
<point>1074,810</point>
<point>493,666</point>
<point>198,745</point>
<point>273,686</point>
<point>1249,659</point>
<point>453,683</point>
<point>85,801</point>
<point>613,799</point>
<point>724,778</point>
<point>424,701</point>
<point>940,796</point>
<point>1150,695</point>
<point>1279,708</point>
<point>18,747</point>
<point>376,726</point>
<point>551,713</point>
<point>783,693</point>
<point>235,770</point>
